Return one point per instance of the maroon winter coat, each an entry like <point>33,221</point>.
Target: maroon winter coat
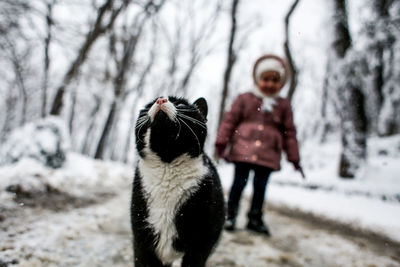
<point>257,136</point>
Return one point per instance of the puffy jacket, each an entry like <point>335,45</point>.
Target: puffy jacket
<point>256,136</point>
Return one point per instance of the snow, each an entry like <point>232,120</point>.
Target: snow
<point>45,140</point>
<point>99,234</point>
<point>78,176</point>
<point>370,201</point>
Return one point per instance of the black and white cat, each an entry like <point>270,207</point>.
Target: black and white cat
<point>177,208</point>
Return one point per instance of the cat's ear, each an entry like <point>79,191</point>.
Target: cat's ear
<point>201,104</point>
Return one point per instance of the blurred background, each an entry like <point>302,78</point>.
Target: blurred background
<point>94,64</point>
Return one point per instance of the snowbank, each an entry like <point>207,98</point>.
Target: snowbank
<point>45,140</point>
<point>79,177</point>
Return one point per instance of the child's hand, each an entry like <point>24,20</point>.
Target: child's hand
<point>298,168</point>
<point>220,150</point>
<point>222,153</point>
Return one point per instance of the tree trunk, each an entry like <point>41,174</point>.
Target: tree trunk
<point>46,65</point>
<point>9,120</point>
<point>230,60</point>
<point>350,97</point>
<point>89,132</point>
<point>384,31</point>
<point>354,132</point>
<point>20,83</point>
<point>292,65</point>
<point>325,124</point>
<point>342,41</point>
<point>106,130</point>
<point>139,91</point>
<point>74,99</point>
<point>389,116</point>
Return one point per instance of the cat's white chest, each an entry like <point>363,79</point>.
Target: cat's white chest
<point>167,186</point>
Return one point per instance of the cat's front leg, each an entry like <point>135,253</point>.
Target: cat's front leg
<point>195,259</point>
<point>143,258</point>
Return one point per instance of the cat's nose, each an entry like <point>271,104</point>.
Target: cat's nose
<point>161,101</point>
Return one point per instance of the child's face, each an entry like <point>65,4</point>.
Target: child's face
<point>269,83</point>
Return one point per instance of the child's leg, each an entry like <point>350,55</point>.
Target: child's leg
<point>261,176</point>
<point>239,182</point>
<point>260,181</point>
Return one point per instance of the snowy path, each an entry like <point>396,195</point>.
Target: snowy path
<point>99,235</point>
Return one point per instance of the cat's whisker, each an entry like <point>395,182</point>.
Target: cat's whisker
<point>141,121</point>
<point>202,124</point>
<point>197,139</point>
<point>192,119</point>
<point>186,109</point>
<point>139,126</point>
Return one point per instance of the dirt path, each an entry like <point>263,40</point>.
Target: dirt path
<point>99,235</point>
<point>299,242</point>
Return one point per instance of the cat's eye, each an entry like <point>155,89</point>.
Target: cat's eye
<point>181,105</point>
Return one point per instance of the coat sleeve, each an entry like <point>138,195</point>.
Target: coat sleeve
<point>229,122</point>
<point>290,144</point>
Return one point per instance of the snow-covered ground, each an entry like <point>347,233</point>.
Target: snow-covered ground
<point>371,201</point>
<point>78,215</point>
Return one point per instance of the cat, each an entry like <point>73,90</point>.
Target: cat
<point>177,208</point>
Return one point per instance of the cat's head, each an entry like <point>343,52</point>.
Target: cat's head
<point>171,127</point>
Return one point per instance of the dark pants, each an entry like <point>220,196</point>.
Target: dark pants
<point>260,181</point>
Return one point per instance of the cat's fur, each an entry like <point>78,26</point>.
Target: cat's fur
<point>177,205</point>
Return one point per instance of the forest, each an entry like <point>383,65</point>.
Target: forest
<point>74,75</point>
<point>93,64</point>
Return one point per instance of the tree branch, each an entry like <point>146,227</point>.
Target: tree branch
<point>97,30</point>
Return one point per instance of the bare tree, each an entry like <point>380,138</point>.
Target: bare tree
<point>382,32</point>
<point>11,102</point>
<point>90,129</point>
<point>10,13</point>
<point>46,65</point>
<point>379,45</point>
<point>14,52</point>
<point>347,81</point>
<point>326,125</point>
<point>17,59</point>
<point>106,16</point>
<point>199,49</point>
<point>292,65</point>
<point>138,89</point>
<point>231,59</point>
<point>124,65</point>
<point>189,43</point>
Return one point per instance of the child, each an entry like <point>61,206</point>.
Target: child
<point>252,135</point>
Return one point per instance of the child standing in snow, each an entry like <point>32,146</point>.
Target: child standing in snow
<point>253,134</point>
